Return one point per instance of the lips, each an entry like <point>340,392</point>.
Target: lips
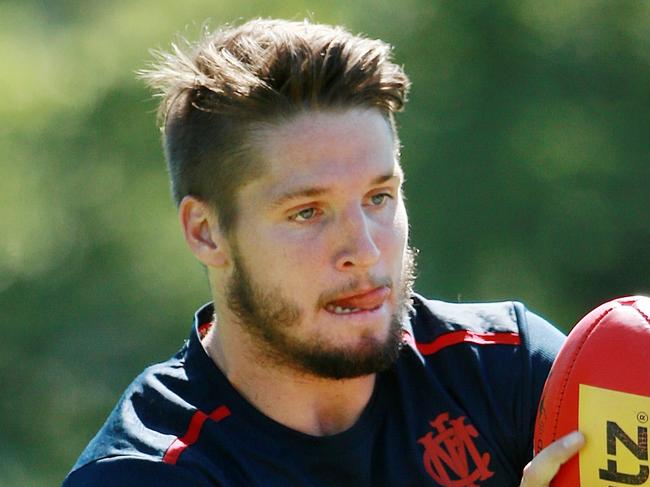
<point>363,301</point>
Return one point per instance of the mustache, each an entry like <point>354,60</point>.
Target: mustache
<point>371,282</point>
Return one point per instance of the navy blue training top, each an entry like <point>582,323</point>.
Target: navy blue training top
<point>456,409</point>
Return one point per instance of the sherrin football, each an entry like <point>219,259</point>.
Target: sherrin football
<point>600,384</point>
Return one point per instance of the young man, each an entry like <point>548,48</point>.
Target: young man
<point>316,364</point>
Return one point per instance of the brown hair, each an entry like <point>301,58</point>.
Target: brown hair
<point>216,90</point>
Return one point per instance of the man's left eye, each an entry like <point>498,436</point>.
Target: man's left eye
<point>379,198</point>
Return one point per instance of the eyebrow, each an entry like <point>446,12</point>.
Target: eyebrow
<point>313,191</point>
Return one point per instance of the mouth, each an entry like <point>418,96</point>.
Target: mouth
<point>360,302</point>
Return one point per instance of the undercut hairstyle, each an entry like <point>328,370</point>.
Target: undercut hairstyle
<point>216,91</point>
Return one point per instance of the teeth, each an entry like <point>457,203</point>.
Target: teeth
<point>342,311</point>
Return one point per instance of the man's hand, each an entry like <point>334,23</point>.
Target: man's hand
<point>541,470</point>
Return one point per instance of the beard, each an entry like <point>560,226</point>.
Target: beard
<point>270,318</point>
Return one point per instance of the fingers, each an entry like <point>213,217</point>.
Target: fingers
<point>541,470</point>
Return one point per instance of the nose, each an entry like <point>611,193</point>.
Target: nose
<point>356,246</point>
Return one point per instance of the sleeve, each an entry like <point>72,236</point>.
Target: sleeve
<point>541,342</point>
<point>132,472</point>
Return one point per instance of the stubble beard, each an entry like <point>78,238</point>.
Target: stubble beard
<point>269,319</point>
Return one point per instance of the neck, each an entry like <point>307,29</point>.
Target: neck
<point>300,401</point>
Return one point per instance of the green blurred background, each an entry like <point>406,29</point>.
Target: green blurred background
<point>525,146</point>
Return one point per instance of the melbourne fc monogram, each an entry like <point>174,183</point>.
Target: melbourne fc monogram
<point>451,457</point>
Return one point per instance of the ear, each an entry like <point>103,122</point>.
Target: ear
<point>202,233</point>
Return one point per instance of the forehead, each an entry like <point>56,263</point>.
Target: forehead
<point>326,148</point>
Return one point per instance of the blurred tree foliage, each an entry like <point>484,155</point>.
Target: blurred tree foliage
<point>525,146</point>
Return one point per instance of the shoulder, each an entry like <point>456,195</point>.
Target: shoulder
<point>492,360</point>
<point>491,328</point>
<point>438,324</point>
<point>130,471</point>
<point>154,409</point>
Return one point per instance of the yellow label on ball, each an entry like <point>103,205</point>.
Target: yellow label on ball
<point>615,425</point>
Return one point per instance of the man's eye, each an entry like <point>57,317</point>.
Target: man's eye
<point>379,198</point>
<point>304,215</point>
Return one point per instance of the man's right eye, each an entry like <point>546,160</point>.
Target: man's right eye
<point>304,215</point>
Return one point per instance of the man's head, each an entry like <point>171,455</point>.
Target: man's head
<point>219,91</point>
<point>283,154</point>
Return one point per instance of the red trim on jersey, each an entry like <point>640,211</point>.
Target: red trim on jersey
<point>204,329</point>
<point>192,435</point>
<point>408,338</point>
<point>467,336</point>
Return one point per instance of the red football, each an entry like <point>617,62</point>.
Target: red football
<point>600,384</point>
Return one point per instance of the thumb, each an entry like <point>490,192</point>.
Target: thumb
<point>541,470</point>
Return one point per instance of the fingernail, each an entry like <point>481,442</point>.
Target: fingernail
<point>572,440</point>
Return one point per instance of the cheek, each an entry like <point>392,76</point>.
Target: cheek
<point>400,230</point>
<point>286,259</point>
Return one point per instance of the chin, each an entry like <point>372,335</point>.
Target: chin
<point>374,351</point>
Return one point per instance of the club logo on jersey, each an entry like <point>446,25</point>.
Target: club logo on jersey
<point>616,426</point>
<point>450,456</point>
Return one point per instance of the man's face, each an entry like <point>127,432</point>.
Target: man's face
<point>321,270</point>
